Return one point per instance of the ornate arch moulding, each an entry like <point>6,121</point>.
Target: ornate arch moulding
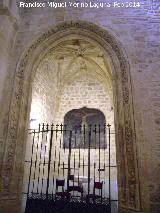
<point>128,179</point>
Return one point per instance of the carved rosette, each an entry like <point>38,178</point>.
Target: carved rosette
<point>129,182</point>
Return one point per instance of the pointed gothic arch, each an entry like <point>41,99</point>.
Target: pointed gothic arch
<point>128,180</point>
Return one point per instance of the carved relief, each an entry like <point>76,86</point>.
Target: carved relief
<point>129,191</point>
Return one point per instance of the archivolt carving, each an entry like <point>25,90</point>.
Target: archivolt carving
<point>129,189</point>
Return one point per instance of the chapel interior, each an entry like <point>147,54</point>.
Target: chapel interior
<point>80,106</point>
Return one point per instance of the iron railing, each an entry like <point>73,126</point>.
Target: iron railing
<point>69,169</point>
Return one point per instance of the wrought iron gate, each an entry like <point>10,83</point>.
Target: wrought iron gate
<point>66,177</point>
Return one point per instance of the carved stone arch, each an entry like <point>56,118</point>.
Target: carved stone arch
<point>128,180</point>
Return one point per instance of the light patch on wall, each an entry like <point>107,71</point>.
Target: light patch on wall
<point>36,115</point>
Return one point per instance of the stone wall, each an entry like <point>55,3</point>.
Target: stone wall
<point>136,29</point>
<point>86,92</point>
<point>9,21</point>
<point>8,28</point>
<point>43,94</point>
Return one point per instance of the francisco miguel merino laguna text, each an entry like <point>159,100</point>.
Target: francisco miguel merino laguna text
<point>115,4</point>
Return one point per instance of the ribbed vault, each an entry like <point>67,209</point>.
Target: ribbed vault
<point>71,59</point>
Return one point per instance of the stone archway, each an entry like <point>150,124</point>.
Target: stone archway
<point>128,179</point>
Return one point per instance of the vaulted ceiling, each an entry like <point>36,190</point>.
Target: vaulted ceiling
<point>72,59</point>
